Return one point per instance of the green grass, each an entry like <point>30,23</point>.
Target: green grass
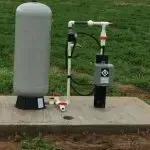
<point>128,47</point>
<point>37,143</point>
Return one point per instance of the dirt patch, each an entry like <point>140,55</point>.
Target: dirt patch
<point>131,90</point>
<point>11,145</point>
<point>92,141</point>
<point>101,142</point>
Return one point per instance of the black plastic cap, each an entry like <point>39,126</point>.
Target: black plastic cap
<point>101,59</point>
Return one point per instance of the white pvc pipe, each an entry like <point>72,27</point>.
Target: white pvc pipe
<point>103,34</point>
<point>90,23</point>
<point>71,23</point>
<point>98,23</point>
<point>70,45</point>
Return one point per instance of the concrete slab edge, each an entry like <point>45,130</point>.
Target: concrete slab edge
<point>64,129</point>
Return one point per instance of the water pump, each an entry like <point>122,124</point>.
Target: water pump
<point>103,74</point>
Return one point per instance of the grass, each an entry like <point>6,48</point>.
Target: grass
<point>37,143</point>
<point>128,46</point>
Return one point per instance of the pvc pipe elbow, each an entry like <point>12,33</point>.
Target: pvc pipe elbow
<point>71,23</point>
<point>62,108</point>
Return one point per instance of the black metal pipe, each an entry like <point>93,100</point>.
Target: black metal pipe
<point>100,91</point>
<point>99,96</point>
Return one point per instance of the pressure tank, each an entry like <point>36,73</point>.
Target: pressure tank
<point>32,51</point>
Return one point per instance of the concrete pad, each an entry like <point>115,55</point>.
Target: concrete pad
<point>122,114</point>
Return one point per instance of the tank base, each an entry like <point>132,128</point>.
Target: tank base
<point>30,103</point>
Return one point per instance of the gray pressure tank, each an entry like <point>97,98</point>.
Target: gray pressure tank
<point>32,54</point>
